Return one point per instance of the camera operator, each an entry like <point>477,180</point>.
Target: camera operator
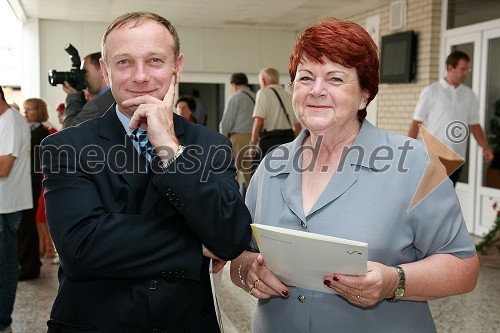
<point>77,108</point>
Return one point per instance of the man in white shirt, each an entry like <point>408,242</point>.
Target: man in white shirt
<point>448,104</point>
<point>273,108</point>
<point>15,196</point>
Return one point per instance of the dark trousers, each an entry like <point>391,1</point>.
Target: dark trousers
<point>28,251</point>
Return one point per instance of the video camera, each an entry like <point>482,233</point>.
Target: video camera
<point>75,77</point>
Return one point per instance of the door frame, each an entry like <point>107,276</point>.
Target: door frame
<point>474,197</point>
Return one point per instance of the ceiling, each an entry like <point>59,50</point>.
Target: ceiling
<point>277,14</point>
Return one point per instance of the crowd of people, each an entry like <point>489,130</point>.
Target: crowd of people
<point>139,230</point>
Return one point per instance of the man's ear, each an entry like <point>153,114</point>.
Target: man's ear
<point>179,67</point>
<point>104,71</point>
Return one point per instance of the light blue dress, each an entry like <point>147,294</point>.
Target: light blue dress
<point>367,200</point>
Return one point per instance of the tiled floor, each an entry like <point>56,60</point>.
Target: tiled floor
<point>476,312</point>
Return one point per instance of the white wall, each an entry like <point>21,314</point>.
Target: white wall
<point>209,52</point>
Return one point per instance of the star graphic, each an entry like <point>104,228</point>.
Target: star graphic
<point>443,162</point>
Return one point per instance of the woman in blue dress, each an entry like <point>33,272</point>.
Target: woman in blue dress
<point>343,177</point>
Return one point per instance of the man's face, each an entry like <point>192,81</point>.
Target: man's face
<point>93,77</point>
<point>458,74</point>
<point>140,61</point>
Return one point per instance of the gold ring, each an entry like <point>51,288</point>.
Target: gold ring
<point>360,294</point>
<point>254,286</point>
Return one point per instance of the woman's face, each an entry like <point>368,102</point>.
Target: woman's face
<point>183,110</point>
<point>30,112</point>
<point>326,96</point>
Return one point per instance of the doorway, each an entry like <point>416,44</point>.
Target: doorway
<point>479,185</point>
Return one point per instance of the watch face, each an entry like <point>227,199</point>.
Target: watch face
<point>399,293</point>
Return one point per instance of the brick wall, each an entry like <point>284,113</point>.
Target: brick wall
<point>396,102</point>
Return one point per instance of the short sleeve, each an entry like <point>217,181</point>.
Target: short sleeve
<point>440,225</point>
<point>260,105</point>
<point>7,137</point>
<point>423,105</point>
<point>473,118</point>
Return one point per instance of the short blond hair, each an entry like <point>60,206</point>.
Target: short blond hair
<point>138,18</point>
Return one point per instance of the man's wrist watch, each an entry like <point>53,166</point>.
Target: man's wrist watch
<point>400,291</point>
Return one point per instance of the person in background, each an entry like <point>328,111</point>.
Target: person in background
<point>138,229</point>
<point>89,96</point>
<point>81,106</point>
<point>185,107</point>
<point>15,197</point>
<point>273,109</point>
<point>36,113</point>
<point>237,121</point>
<point>448,101</point>
<point>334,181</point>
<point>60,108</point>
<point>47,249</point>
<point>200,114</point>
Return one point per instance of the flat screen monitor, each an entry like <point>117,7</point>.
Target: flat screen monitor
<point>398,57</point>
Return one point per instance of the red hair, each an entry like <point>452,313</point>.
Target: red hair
<point>341,42</point>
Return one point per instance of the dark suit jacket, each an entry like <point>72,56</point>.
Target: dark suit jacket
<point>77,112</point>
<point>131,245</point>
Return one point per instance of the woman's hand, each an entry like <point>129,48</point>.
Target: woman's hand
<point>379,283</point>
<point>250,273</point>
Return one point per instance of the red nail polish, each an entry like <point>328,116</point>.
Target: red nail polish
<point>285,293</point>
<point>335,278</point>
<point>327,283</point>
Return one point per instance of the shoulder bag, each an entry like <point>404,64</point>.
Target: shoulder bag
<point>268,140</point>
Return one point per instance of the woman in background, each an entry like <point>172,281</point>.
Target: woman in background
<point>343,177</point>
<point>34,238</point>
<point>185,106</point>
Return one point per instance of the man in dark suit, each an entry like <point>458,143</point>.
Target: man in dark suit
<point>100,98</point>
<point>135,241</point>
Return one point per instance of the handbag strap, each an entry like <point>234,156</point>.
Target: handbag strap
<point>246,93</point>
<point>282,106</point>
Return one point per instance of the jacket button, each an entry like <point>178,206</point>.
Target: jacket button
<point>170,275</point>
<point>156,330</point>
<point>303,225</point>
<point>301,298</point>
<point>153,285</point>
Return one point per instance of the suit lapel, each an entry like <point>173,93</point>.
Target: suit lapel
<point>122,157</point>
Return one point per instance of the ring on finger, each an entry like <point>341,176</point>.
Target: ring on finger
<point>254,286</point>
<point>360,294</point>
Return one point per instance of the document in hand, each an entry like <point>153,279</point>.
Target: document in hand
<point>302,259</point>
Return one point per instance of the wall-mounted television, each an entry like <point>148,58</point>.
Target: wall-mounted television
<point>398,57</point>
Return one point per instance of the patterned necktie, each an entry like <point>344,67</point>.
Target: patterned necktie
<point>147,150</point>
